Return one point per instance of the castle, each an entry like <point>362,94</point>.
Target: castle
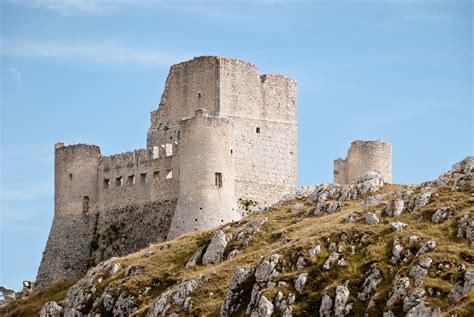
<point>223,139</point>
<point>364,156</point>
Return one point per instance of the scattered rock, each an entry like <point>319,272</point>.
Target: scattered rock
<point>174,296</point>
<point>233,298</point>
<point>397,250</point>
<point>332,258</point>
<point>427,247</point>
<point>462,287</point>
<point>232,254</point>
<point>371,218</point>
<point>296,207</point>
<point>134,270</point>
<point>314,251</point>
<point>413,240</point>
<point>420,200</point>
<point>264,308</point>
<point>421,310</point>
<point>326,305</point>
<point>300,282</point>
<point>340,301</point>
<point>397,226</point>
<point>373,279</point>
<point>441,214</point>
<point>267,268</point>
<point>51,309</point>
<point>399,290</point>
<point>196,257</point>
<point>215,250</point>
<point>466,228</point>
<point>417,296</point>
<point>369,182</point>
<point>395,208</point>
<point>125,305</point>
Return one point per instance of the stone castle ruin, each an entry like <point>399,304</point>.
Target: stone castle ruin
<point>364,156</point>
<point>223,139</point>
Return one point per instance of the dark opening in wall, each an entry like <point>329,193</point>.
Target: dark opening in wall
<point>130,180</point>
<point>156,176</point>
<point>179,134</point>
<point>258,130</point>
<point>70,176</point>
<point>219,180</point>
<point>106,183</point>
<point>85,204</point>
<point>142,178</point>
<point>169,174</point>
<point>118,181</point>
<point>199,95</point>
<point>231,151</point>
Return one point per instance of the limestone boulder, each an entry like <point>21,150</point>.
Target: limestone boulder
<point>215,250</point>
<point>233,298</point>
<point>300,282</point>
<point>373,279</point>
<point>51,309</point>
<point>177,295</point>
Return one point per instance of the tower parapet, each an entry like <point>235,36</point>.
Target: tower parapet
<point>364,156</point>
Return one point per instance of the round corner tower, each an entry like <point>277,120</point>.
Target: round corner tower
<point>206,175</point>
<point>364,156</point>
<point>76,178</point>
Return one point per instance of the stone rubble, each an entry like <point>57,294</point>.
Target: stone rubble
<point>373,279</point>
<point>177,295</point>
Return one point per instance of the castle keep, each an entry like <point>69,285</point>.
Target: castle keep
<point>362,157</point>
<point>223,138</point>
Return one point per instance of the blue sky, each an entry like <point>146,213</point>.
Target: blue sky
<point>91,71</point>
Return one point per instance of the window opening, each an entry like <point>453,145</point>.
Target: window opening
<point>219,180</point>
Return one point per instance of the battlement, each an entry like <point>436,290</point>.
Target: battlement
<point>364,156</point>
<point>222,134</point>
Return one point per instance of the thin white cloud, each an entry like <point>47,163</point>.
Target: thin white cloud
<point>14,74</point>
<point>429,17</point>
<point>102,53</point>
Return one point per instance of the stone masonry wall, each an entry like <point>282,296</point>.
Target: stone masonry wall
<point>364,156</point>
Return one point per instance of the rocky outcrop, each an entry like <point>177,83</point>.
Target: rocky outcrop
<point>215,250</point>
<point>51,309</point>
<point>462,287</point>
<point>233,298</point>
<point>178,295</point>
<point>374,277</point>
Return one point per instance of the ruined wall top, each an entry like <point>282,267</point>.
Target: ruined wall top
<point>224,86</point>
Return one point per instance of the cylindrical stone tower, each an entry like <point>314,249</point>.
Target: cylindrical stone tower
<point>364,156</point>
<point>206,175</point>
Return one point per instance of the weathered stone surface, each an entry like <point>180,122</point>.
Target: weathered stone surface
<point>177,295</point>
<point>314,251</point>
<point>398,225</point>
<point>371,218</point>
<point>124,305</point>
<point>51,309</point>
<point>462,287</point>
<point>395,208</point>
<point>427,247</point>
<point>134,270</point>
<point>466,228</point>
<point>373,279</point>
<point>332,258</point>
<point>300,282</point>
<point>326,305</point>
<point>215,250</point>
<point>421,310</point>
<point>369,182</point>
<point>419,201</point>
<point>441,214</point>
<point>417,296</point>
<point>196,257</point>
<point>300,263</point>
<point>264,308</point>
<point>232,301</point>
<point>340,301</point>
<point>399,291</point>
<point>418,274</point>
<point>267,268</point>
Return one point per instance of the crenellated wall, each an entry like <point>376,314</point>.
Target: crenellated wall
<point>223,135</point>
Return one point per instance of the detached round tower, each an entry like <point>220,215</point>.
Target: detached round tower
<point>362,157</point>
<point>206,191</point>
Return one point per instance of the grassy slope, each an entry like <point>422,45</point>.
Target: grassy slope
<point>287,232</point>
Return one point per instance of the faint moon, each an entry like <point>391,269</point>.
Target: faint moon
<point>14,74</point>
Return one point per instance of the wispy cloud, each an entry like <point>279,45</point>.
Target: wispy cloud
<point>14,74</point>
<point>430,17</point>
<point>75,6</point>
<point>102,53</point>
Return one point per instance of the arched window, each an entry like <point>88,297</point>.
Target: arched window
<point>85,204</point>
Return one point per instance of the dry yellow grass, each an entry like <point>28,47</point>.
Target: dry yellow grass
<point>287,232</point>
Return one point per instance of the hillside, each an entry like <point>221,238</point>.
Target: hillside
<point>369,248</point>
